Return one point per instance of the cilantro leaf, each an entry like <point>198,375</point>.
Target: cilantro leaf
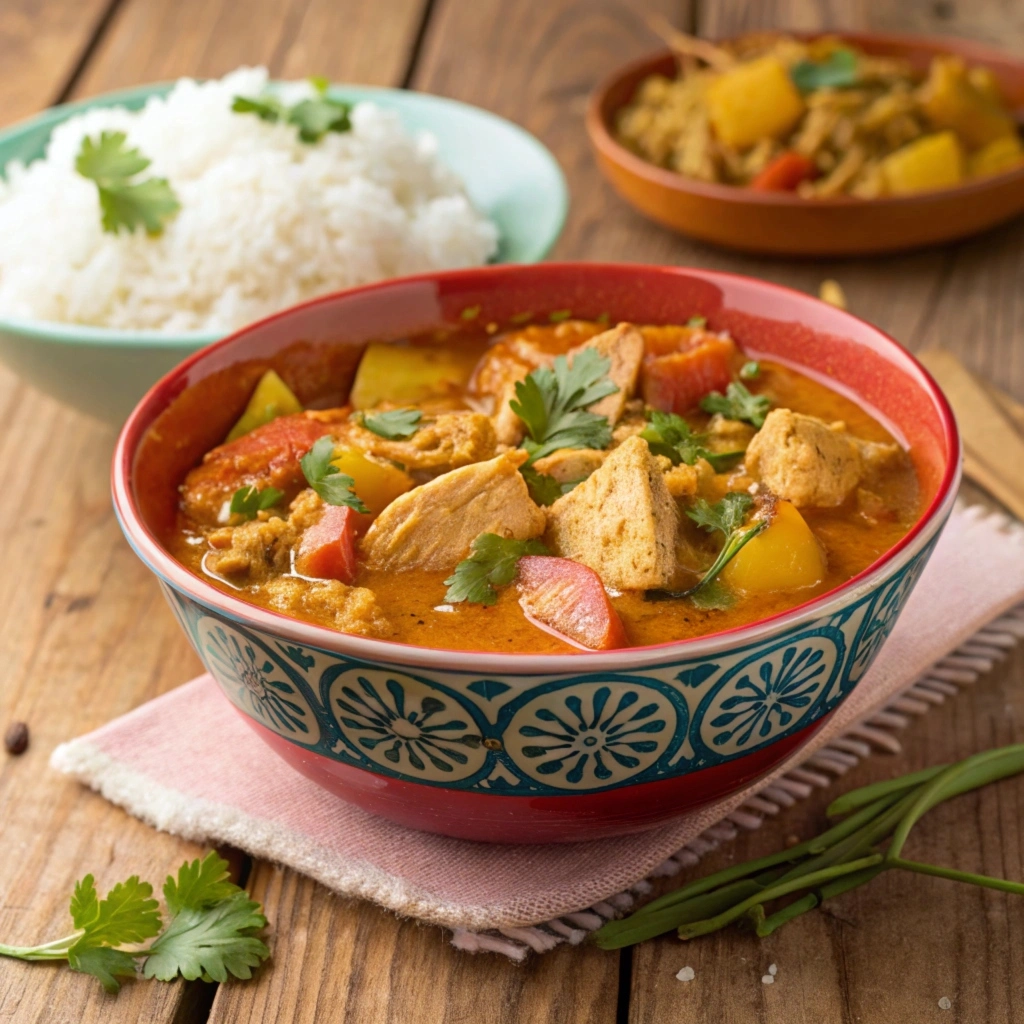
<point>544,488</point>
<point>492,563</point>
<point>839,71</point>
<point>104,963</point>
<point>324,477</point>
<point>725,515</point>
<point>128,913</point>
<point>670,435</point>
<point>123,203</point>
<point>393,425</point>
<point>249,500</point>
<point>697,321</point>
<point>750,370</point>
<point>313,117</point>
<point>738,404</point>
<point>200,883</point>
<point>552,403</point>
<point>210,942</point>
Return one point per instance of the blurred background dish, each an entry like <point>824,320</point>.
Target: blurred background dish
<point>509,177</point>
<point>892,200</point>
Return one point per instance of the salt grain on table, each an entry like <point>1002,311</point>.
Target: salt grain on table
<point>686,974</point>
<point>944,1003</point>
<point>768,979</point>
<point>773,970</point>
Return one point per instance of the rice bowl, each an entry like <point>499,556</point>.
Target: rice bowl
<point>266,220</point>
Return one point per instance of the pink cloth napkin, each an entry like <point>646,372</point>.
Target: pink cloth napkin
<point>187,763</point>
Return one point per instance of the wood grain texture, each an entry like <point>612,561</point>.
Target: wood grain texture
<point>41,45</point>
<point>345,40</point>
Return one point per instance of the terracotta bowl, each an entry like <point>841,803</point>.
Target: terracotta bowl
<point>532,747</point>
<point>783,224</point>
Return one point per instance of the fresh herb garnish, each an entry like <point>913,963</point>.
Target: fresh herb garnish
<point>603,318</point>
<point>839,71</point>
<point>738,404</point>
<point>313,117</point>
<point>544,488</point>
<point>211,933</point>
<point>247,501</point>
<point>670,435</point>
<point>393,425</point>
<point>520,318</point>
<point>559,315</point>
<point>470,313</point>
<point>325,478</point>
<point>492,563</point>
<point>840,859</point>
<point>726,517</point>
<point>697,321</point>
<point>109,163</point>
<point>750,370</point>
<point>552,403</point>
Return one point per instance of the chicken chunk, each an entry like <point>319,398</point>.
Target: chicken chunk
<point>728,435</point>
<point>685,481</point>
<point>261,548</point>
<point>347,609</point>
<point>495,379</point>
<point>266,457</point>
<point>621,522</point>
<point>623,346</point>
<point>445,442</point>
<point>809,462</point>
<point>433,526</point>
<point>570,464</point>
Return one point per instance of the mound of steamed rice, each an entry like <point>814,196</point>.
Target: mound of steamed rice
<point>265,221</point>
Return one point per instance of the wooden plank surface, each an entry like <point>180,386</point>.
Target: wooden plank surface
<point>78,612</point>
<point>84,633</point>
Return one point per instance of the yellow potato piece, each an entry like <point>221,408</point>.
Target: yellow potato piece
<point>376,483</point>
<point>272,398</point>
<point>754,101</point>
<point>934,161</point>
<point>998,156</point>
<point>786,556</point>
<point>407,375</point>
<point>950,100</point>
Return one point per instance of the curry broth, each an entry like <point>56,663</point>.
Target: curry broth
<point>414,600</point>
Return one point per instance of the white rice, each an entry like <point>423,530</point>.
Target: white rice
<point>265,221</point>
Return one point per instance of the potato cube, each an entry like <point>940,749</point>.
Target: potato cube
<point>998,156</point>
<point>753,101</point>
<point>933,161</point>
<point>376,482</point>
<point>950,100</point>
<point>271,398</point>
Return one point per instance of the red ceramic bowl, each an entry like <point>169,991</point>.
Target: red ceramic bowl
<point>531,747</point>
<point>781,223</point>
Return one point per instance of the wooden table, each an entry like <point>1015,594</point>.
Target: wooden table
<point>85,635</point>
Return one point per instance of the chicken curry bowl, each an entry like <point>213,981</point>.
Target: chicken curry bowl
<point>545,488</point>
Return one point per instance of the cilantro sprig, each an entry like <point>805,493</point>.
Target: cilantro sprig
<point>726,517</point>
<point>335,487</point>
<point>111,164</point>
<point>544,488</point>
<point>393,425</point>
<point>249,500</point>
<point>492,563</point>
<point>670,435</point>
<point>313,117</point>
<point>552,403</point>
<point>838,71</point>
<point>738,404</point>
<point>212,930</point>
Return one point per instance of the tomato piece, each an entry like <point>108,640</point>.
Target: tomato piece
<point>568,599</point>
<point>677,382</point>
<point>268,456</point>
<point>784,173</point>
<point>327,550</point>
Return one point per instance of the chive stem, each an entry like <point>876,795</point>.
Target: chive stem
<point>937,871</point>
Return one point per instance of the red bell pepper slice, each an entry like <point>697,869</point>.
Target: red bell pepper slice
<point>327,550</point>
<point>677,382</point>
<point>568,599</point>
<point>784,173</point>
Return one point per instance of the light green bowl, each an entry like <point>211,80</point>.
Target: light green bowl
<point>509,175</point>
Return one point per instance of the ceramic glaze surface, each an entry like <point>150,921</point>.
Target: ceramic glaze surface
<point>554,734</point>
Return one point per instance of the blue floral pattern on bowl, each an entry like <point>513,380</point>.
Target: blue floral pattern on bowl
<point>554,734</point>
